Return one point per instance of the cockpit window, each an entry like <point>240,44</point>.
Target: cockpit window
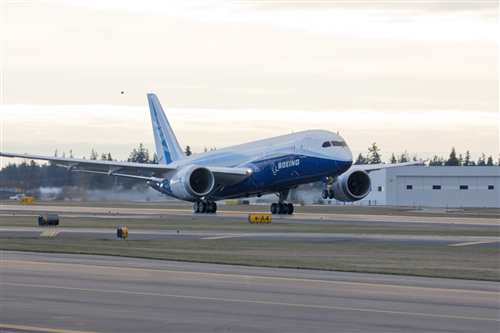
<point>339,144</point>
<point>326,144</point>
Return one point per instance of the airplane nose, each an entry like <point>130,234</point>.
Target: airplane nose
<point>344,158</point>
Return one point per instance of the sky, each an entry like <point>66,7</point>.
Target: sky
<point>415,76</point>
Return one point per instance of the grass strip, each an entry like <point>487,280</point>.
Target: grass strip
<point>473,263</point>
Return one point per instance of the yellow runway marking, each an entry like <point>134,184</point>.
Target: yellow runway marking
<point>253,276</point>
<point>49,233</point>
<point>220,237</point>
<point>39,329</point>
<point>473,243</point>
<point>247,301</point>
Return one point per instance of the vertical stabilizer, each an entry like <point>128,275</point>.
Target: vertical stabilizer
<point>167,147</point>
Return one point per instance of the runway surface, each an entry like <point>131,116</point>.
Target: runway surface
<point>110,294</point>
<point>418,219</point>
<point>139,234</point>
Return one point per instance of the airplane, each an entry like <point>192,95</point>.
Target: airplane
<point>276,165</point>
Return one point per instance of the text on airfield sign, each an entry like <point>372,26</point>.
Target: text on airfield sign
<point>259,218</point>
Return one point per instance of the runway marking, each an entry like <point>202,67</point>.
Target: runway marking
<point>254,276</point>
<point>49,233</point>
<point>473,243</point>
<point>220,237</point>
<point>247,301</point>
<point>40,329</point>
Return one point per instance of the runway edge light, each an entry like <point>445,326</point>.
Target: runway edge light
<point>259,218</point>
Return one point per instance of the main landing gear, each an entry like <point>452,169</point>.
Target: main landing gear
<point>281,207</point>
<point>205,207</point>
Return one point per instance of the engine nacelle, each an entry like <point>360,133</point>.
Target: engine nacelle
<point>192,182</point>
<point>353,185</point>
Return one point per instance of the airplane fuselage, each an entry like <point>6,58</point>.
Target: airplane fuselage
<point>276,164</point>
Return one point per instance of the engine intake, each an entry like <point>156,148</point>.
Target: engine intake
<point>192,182</point>
<point>353,185</point>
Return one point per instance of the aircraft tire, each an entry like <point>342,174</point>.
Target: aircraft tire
<point>202,207</point>
<point>213,207</point>
<point>280,209</point>
<point>196,207</point>
<point>330,194</point>
<point>289,209</point>
<point>273,208</point>
<point>324,194</point>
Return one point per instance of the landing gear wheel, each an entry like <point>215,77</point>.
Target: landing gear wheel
<point>196,207</point>
<point>330,194</point>
<point>324,194</point>
<point>280,208</point>
<point>289,209</point>
<point>213,207</point>
<point>273,208</point>
<point>202,207</point>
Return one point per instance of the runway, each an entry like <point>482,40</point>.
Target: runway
<point>417,219</point>
<point>294,237</point>
<point>110,294</point>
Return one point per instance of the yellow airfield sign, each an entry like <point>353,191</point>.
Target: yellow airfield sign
<point>259,218</point>
<point>27,200</point>
<point>19,190</point>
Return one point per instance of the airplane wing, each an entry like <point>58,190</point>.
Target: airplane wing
<point>373,167</point>
<point>226,176</point>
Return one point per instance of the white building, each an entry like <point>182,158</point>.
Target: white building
<point>436,186</point>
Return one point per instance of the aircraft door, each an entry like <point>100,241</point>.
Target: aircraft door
<point>303,146</point>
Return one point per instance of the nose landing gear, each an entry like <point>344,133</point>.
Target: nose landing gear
<point>281,207</point>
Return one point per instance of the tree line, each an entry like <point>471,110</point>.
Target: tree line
<point>374,157</point>
<point>29,174</point>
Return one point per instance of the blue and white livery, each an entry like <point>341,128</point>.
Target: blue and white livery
<point>274,165</point>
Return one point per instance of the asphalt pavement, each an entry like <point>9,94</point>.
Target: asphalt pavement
<point>82,293</point>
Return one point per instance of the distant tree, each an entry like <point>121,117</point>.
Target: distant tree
<point>188,151</point>
<point>94,155</point>
<point>361,160</point>
<point>104,157</point>
<point>373,156</point>
<point>436,161</point>
<point>141,155</point>
<point>481,161</point>
<point>154,160</point>
<point>393,159</point>
<point>490,161</point>
<point>467,160</point>
<point>404,157</point>
<point>205,150</point>
<point>460,160</point>
<point>71,154</point>
<point>453,160</point>
<point>498,163</point>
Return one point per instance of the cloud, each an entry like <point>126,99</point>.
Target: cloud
<point>119,129</point>
<point>370,21</point>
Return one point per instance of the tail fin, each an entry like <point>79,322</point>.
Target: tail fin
<point>167,147</point>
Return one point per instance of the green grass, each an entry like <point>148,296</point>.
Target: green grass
<point>445,262</point>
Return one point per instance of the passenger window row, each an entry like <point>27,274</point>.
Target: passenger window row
<point>237,160</point>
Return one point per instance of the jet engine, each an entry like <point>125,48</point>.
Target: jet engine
<point>192,182</point>
<point>352,186</point>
